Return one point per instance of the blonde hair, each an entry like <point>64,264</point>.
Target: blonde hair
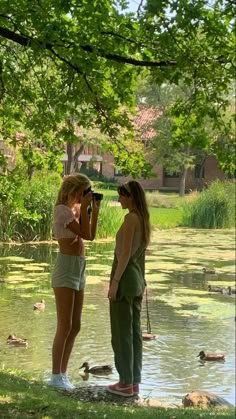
<point>71,184</point>
<point>135,190</point>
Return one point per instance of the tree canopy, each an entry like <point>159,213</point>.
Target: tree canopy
<point>68,59</point>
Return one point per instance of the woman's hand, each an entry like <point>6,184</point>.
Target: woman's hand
<point>96,205</point>
<point>113,290</point>
<point>86,199</point>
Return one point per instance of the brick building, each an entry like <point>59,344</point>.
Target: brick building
<point>91,156</point>
<point>103,163</point>
<point>9,153</point>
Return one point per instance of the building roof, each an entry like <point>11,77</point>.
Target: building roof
<point>143,121</point>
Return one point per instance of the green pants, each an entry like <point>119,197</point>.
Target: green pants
<point>127,338</point>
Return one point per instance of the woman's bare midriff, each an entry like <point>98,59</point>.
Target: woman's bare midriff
<point>72,247</point>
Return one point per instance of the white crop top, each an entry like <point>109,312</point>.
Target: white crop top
<point>63,216</point>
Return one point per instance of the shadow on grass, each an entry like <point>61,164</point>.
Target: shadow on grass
<point>24,398</point>
<point>21,397</point>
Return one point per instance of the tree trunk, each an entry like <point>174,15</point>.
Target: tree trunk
<point>30,171</point>
<point>72,158</point>
<point>182,181</point>
<point>200,179</point>
<point>75,157</point>
<point>70,153</point>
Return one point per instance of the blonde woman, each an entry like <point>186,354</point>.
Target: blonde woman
<point>126,290</point>
<point>72,223</point>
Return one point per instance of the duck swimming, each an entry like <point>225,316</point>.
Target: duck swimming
<point>39,306</point>
<point>14,341</point>
<point>215,289</point>
<point>97,369</point>
<point>209,270</point>
<point>148,336</point>
<point>211,357</point>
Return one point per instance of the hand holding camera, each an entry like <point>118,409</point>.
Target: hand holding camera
<point>95,195</point>
<point>96,199</point>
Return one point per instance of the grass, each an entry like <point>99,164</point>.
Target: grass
<point>21,397</point>
<point>165,217</point>
<point>169,215</point>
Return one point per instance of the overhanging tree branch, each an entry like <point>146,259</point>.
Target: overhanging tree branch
<point>30,42</point>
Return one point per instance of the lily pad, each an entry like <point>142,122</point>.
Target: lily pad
<point>98,267</point>
<point>225,283</point>
<point>156,277</point>
<point>190,291</point>
<point>14,259</point>
<point>155,286</point>
<point>17,279</point>
<point>91,280</point>
<point>33,268</point>
<point>22,286</point>
<point>90,307</point>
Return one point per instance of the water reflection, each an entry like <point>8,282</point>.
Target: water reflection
<point>184,316</point>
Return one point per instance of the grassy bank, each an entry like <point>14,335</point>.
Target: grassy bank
<point>165,217</point>
<point>165,211</point>
<point>22,397</point>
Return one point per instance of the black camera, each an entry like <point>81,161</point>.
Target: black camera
<point>97,196</point>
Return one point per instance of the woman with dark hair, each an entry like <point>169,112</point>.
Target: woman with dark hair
<point>126,289</point>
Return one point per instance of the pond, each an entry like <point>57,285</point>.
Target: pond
<point>185,317</point>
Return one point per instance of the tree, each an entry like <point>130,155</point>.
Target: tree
<point>199,140</point>
<point>67,58</point>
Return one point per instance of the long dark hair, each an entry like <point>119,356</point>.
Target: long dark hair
<point>135,190</point>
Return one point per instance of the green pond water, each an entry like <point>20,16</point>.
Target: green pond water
<point>184,316</point>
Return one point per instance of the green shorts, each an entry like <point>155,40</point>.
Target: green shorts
<point>69,272</point>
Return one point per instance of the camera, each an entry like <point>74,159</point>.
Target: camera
<point>96,196</point>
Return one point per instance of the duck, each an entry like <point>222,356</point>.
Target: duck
<point>97,369</point>
<point>85,376</point>
<point>39,306</point>
<point>215,289</point>
<point>148,336</point>
<point>209,270</point>
<point>211,357</point>
<point>14,341</point>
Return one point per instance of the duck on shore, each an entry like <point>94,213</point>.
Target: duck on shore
<point>97,369</point>
<point>14,341</point>
<point>211,357</point>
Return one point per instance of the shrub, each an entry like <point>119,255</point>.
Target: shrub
<point>110,219</point>
<point>39,197</point>
<point>12,203</point>
<point>212,208</point>
<point>154,199</point>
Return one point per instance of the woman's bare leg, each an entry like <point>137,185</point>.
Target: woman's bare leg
<point>75,328</point>
<point>64,306</point>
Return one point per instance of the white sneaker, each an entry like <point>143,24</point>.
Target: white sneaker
<point>58,381</point>
<point>66,380</point>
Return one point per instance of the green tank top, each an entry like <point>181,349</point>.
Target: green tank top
<point>132,282</point>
